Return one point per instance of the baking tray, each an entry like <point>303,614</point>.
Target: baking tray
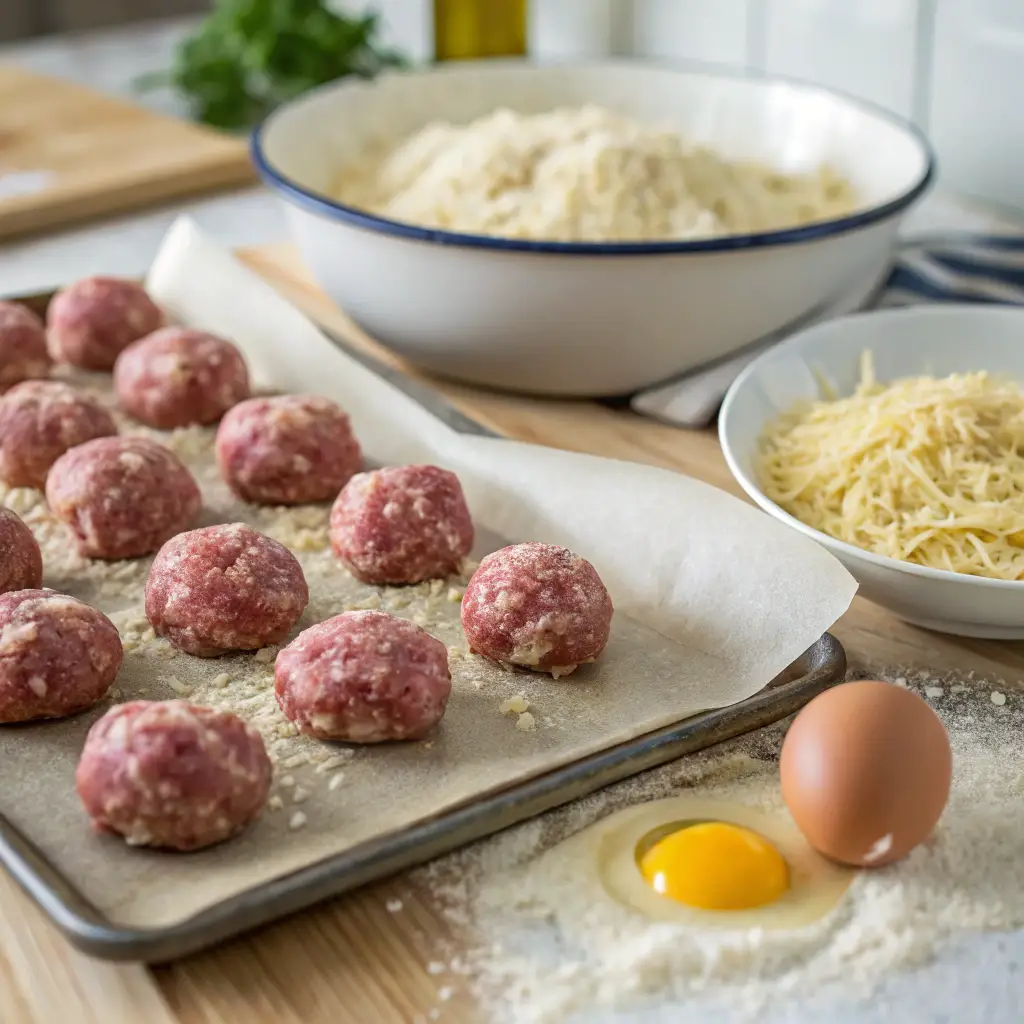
<point>89,929</point>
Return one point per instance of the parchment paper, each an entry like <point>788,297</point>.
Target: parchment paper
<point>712,597</point>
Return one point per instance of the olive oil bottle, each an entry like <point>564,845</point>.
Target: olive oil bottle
<point>470,29</point>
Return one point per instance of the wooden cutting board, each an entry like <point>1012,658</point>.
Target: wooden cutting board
<point>69,154</point>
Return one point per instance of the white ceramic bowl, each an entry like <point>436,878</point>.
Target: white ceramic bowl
<point>579,318</point>
<point>906,342</point>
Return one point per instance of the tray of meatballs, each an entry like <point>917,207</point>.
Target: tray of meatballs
<point>248,662</point>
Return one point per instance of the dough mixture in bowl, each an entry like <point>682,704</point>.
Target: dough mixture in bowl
<point>586,175</point>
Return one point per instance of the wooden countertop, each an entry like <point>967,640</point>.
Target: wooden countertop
<point>352,961</point>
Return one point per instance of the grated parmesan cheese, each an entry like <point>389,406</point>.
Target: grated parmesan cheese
<point>924,470</point>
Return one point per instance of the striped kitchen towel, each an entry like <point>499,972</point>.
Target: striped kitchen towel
<point>927,269</point>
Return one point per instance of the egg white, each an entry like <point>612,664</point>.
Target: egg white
<point>816,884</point>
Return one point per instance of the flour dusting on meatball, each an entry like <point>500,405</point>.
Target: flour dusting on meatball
<point>539,606</point>
<point>172,775</point>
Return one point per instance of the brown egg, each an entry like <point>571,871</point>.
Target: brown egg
<point>866,769</point>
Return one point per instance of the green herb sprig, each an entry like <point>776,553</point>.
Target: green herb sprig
<point>249,56</point>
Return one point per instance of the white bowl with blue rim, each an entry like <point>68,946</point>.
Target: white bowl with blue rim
<point>935,340</point>
<point>588,319</point>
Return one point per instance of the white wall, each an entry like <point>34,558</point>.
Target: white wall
<point>954,67</point>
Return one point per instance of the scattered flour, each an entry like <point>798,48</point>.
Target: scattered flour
<point>546,948</point>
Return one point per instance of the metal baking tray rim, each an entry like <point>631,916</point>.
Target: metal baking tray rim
<point>86,927</point>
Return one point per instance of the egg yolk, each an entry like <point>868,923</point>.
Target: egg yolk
<point>716,866</point>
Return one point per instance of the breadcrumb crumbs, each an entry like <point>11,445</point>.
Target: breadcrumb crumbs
<point>515,705</point>
<point>526,722</point>
<point>334,761</point>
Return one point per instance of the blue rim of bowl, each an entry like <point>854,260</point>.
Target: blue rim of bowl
<point>317,203</point>
<point>827,541</point>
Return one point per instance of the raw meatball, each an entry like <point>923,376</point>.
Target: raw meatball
<point>176,376</point>
<point>90,322</point>
<point>21,561</point>
<point>402,524</point>
<point>539,606</point>
<point>173,775</point>
<point>23,353</point>
<point>363,677</point>
<point>57,655</point>
<point>288,450</point>
<point>122,497</point>
<point>39,421</point>
<point>224,588</point>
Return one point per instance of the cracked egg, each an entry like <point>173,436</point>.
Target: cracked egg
<point>714,864</point>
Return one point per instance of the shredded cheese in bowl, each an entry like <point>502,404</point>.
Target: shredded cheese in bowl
<point>924,470</point>
<point>587,175</point>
